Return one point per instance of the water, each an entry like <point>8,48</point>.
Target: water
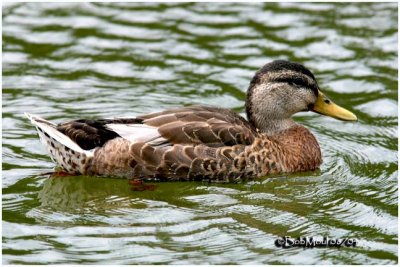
<point>67,61</point>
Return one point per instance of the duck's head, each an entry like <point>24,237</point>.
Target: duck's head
<point>282,88</point>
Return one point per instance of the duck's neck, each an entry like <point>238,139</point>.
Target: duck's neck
<point>274,126</point>
<point>268,123</point>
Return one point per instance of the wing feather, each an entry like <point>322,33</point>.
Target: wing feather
<point>211,126</point>
<point>194,125</point>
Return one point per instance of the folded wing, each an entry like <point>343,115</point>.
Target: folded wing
<point>214,127</point>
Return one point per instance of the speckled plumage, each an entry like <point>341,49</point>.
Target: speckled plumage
<point>263,156</point>
<point>198,142</point>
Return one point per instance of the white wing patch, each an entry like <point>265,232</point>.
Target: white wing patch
<point>138,133</point>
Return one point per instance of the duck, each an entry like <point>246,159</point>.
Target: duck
<point>202,142</point>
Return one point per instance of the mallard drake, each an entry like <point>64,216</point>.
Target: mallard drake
<point>202,142</point>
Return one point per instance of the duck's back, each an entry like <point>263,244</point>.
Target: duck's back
<point>194,125</point>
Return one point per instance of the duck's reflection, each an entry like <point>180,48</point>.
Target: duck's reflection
<point>80,192</point>
<point>83,193</point>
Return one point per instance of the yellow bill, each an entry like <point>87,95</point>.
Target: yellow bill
<point>325,106</point>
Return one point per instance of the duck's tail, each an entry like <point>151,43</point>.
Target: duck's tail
<point>61,148</point>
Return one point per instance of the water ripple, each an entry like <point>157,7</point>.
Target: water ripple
<point>67,60</point>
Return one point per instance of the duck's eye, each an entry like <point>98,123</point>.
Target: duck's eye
<point>298,82</point>
<point>293,81</point>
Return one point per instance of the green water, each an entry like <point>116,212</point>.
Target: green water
<point>68,61</point>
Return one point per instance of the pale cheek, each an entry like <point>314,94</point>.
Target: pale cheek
<point>296,105</point>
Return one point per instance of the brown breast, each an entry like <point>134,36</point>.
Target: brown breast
<point>300,149</point>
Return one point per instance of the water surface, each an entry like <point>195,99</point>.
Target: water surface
<point>67,61</point>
